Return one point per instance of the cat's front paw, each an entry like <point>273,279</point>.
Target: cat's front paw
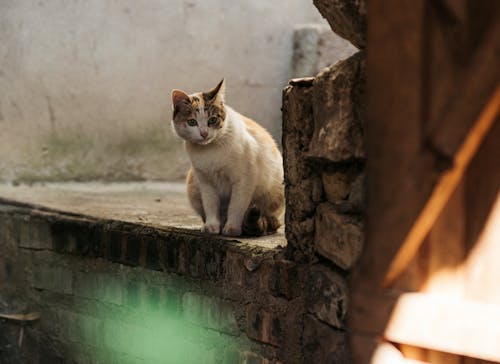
<point>211,228</point>
<point>230,230</point>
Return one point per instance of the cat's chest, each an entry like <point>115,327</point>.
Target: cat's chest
<point>218,177</point>
<point>216,171</point>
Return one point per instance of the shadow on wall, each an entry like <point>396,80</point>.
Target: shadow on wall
<point>85,85</point>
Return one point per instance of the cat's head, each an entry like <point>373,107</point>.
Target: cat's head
<point>200,117</point>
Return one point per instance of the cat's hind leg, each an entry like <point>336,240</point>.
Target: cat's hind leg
<point>257,224</point>
<point>273,224</point>
<point>254,224</point>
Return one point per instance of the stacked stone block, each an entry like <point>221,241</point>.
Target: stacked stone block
<point>324,163</point>
<point>323,122</point>
<point>347,18</point>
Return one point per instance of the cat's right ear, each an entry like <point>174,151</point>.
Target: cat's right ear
<point>179,98</point>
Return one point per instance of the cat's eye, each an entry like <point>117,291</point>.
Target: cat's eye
<point>212,121</point>
<point>192,122</point>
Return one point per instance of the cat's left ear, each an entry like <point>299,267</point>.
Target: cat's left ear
<point>217,93</point>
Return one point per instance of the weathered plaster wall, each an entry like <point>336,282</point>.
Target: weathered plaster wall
<point>85,85</point>
<point>315,47</point>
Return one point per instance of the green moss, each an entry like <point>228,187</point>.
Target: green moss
<point>149,140</point>
<point>149,154</point>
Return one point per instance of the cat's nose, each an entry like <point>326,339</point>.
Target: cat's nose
<point>204,134</point>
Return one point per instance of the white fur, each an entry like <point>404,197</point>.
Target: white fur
<point>234,167</point>
<point>233,170</point>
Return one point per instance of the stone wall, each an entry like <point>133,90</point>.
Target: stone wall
<point>324,161</point>
<point>323,122</point>
<point>347,18</point>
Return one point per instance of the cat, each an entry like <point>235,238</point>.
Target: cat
<point>235,183</point>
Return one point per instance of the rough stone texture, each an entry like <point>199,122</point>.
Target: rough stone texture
<point>357,195</point>
<point>263,325</point>
<point>298,126</point>
<point>322,344</point>
<point>338,237</point>
<point>325,190</point>
<point>337,185</point>
<point>235,268</point>
<point>338,105</point>
<point>346,17</point>
<point>315,47</point>
<point>327,296</point>
<point>282,278</point>
<point>345,188</point>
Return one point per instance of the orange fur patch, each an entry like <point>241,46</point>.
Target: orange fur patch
<point>259,133</point>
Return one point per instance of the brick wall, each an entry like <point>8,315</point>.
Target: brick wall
<point>117,292</point>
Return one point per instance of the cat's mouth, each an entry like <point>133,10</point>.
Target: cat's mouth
<point>205,141</point>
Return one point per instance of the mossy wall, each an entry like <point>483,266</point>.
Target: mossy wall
<point>127,155</point>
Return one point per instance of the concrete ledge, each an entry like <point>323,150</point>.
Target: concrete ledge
<point>162,206</point>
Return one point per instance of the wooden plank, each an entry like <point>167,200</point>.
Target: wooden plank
<point>446,324</point>
<point>412,352</point>
<point>482,183</point>
<point>462,49</point>
<point>447,184</point>
<point>387,353</point>
<point>369,311</point>
<point>393,128</point>
<point>437,357</point>
<point>482,271</point>
<point>445,249</point>
<point>394,113</point>
<point>476,361</point>
<point>429,356</point>
<point>447,53</point>
<point>473,86</point>
<point>437,265</point>
<point>362,347</point>
<point>481,16</point>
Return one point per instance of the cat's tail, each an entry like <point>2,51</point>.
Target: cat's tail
<point>257,224</point>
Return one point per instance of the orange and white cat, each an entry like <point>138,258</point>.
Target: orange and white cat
<point>235,182</point>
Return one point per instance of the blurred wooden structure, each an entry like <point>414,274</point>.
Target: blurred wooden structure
<point>427,288</point>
